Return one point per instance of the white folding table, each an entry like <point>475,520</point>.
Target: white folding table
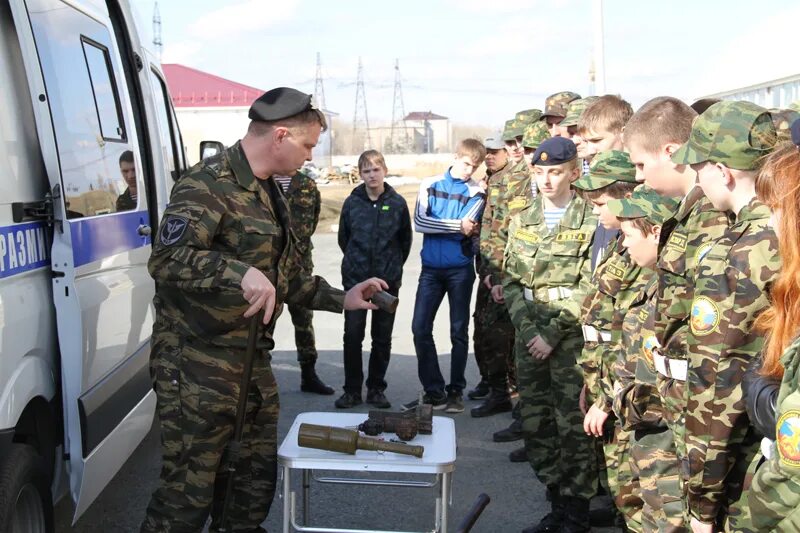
<point>438,460</point>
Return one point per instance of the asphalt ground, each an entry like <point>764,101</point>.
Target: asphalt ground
<point>518,499</point>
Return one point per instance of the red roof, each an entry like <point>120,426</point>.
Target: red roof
<point>424,115</point>
<point>194,88</point>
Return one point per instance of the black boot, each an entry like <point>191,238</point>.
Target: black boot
<point>576,515</point>
<point>520,455</point>
<point>516,412</point>
<point>552,521</point>
<point>510,434</point>
<point>495,403</point>
<point>310,382</point>
<point>480,391</point>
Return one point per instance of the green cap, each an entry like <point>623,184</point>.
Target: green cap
<point>607,168</point>
<point>644,202</point>
<point>511,130</point>
<point>555,105</point>
<point>782,119</point>
<point>535,134</point>
<point>575,109</point>
<point>794,106</point>
<point>529,115</point>
<point>736,134</point>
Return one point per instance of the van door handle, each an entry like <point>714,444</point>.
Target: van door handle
<point>144,230</point>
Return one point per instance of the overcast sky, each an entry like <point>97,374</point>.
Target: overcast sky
<point>479,62</point>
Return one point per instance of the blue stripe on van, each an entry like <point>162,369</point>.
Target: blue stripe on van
<point>104,236</point>
<point>23,247</point>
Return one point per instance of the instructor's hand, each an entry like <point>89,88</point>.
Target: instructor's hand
<point>358,297</point>
<point>539,349</point>
<point>594,420</point>
<point>259,292</point>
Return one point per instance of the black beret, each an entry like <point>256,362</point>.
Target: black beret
<point>279,103</point>
<point>554,151</point>
<point>795,129</point>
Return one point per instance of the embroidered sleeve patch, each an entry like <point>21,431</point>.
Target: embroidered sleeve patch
<point>173,229</point>
<point>517,203</point>
<point>677,241</point>
<point>705,316</point>
<point>494,192</point>
<point>527,236</point>
<point>702,250</point>
<point>615,271</point>
<point>788,438</point>
<point>572,236</point>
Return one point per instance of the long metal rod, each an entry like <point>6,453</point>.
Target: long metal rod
<point>306,497</point>
<point>377,482</point>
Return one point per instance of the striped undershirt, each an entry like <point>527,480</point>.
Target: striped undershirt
<point>283,181</point>
<point>553,216</point>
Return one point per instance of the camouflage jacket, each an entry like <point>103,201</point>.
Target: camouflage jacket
<point>495,187</point>
<point>125,201</point>
<point>613,279</point>
<point>553,265</point>
<point>731,290</point>
<point>684,239</point>
<point>637,402</point>
<point>774,496</point>
<point>220,221</point>
<point>374,236</point>
<point>305,204</point>
<point>514,195</point>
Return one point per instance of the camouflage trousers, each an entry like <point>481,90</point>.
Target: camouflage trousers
<point>493,341</point>
<point>197,387</point>
<point>303,322</point>
<point>622,484</point>
<point>559,451</point>
<point>655,463</point>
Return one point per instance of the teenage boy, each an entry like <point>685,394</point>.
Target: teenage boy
<point>546,276</point>
<point>653,460</point>
<point>447,213</point>
<point>726,147</point>
<point>375,237</point>
<point>555,110</point>
<point>654,133</point>
<point>611,176</point>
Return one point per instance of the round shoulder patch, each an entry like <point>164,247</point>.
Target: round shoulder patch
<point>788,438</point>
<point>705,316</point>
<point>172,230</point>
<point>649,346</point>
<point>702,250</point>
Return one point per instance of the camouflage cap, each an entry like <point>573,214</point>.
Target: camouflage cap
<point>535,134</point>
<point>734,133</point>
<point>512,130</point>
<point>644,203</point>
<point>555,105</point>
<point>794,106</point>
<point>575,109</point>
<point>783,119</point>
<point>529,115</point>
<point>607,168</point>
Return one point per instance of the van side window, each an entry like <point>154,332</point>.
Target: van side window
<point>90,110</point>
<point>170,144</point>
<point>106,100</point>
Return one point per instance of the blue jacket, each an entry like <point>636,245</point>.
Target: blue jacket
<point>442,203</point>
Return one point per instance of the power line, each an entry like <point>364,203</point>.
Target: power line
<point>157,42</point>
<point>361,137</point>
<point>319,90</point>
<point>398,135</point>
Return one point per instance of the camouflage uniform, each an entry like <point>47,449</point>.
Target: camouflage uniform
<point>221,220</point>
<point>655,471</point>
<point>783,119</point>
<point>547,273</point>
<point>774,497</point>
<point>602,335</point>
<point>556,105</point>
<point>126,201</point>
<point>731,283</point>
<point>575,109</point>
<point>304,205</point>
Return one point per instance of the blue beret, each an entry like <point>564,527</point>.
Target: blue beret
<point>554,151</point>
<point>795,129</point>
<point>280,103</point>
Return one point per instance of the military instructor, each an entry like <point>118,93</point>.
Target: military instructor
<point>223,253</point>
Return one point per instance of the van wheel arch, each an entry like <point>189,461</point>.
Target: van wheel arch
<point>39,428</point>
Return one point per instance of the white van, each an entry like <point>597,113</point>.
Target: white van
<point>89,150</point>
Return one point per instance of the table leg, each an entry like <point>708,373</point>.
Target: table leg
<point>306,497</point>
<point>286,496</point>
<point>437,525</point>
<point>445,499</point>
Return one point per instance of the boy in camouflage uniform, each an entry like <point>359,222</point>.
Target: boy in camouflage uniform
<point>654,464</point>
<point>555,110</point>
<point>304,207</point>
<point>726,147</point>
<point>611,176</point>
<point>547,274</point>
<point>497,331</point>
<point>654,133</point>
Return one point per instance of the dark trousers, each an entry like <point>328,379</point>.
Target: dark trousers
<point>355,324</point>
<point>434,283</point>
